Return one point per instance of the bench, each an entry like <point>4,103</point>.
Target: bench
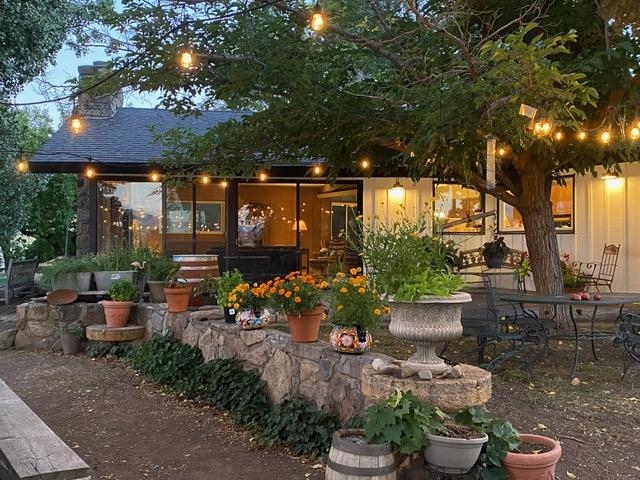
<point>19,279</point>
<point>472,262</point>
<point>492,323</point>
<point>29,449</point>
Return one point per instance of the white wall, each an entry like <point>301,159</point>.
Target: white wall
<point>606,211</point>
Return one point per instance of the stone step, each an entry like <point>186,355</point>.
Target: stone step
<point>102,333</point>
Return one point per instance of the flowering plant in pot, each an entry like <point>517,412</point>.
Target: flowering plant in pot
<point>250,303</point>
<point>178,292</point>
<point>227,282</point>
<point>355,309</point>
<point>414,269</point>
<point>573,279</point>
<point>123,294</point>
<point>299,296</point>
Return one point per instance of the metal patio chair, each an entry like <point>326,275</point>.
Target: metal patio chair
<point>600,274</point>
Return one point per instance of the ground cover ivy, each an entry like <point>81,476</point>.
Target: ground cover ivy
<point>223,383</point>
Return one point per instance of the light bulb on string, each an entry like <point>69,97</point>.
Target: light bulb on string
<point>605,137</point>
<point>155,176</point>
<point>224,183</point>
<point>581,135</point>
<point>634,133</point>
<point>204,179</point>
<point>318,21</point>
<point>186,59</point>
<point>317,169</point>
<point>22,165</point>
<point>559,135</point>
<point>76,125</point>
<point>364,164</point>
<point>262,176</point>
<point>90,172</point>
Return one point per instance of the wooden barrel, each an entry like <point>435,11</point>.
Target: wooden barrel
<point>194,268</point>
<point>352,458</point>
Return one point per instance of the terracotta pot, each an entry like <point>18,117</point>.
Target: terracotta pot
<point>350,339</point>
<point>178,298</point>
<point>533,466</point>
<point>116,314</point>
<point>304,328</point>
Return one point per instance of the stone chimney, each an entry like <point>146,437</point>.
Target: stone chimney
<point>96,103</point>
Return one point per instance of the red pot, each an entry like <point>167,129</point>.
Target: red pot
<point>533,466</point>
<point>304,328</point>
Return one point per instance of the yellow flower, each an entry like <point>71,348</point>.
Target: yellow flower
<point>354,271</point>
<point>296,288</point>
<point>287,295</point>
<point>297,299</point>
<point>343,290</point>
<point>377,311</point>
<point>361,290</point>
<point>340,307</point>
<point>236,306</point>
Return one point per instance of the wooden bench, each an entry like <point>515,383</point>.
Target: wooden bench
<point>19,279</point>
<point>29,449</point>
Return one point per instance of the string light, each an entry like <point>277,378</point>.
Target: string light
<point>204,179</point>
<point>605,137</point>
<point>634,134</point>
<point>559,135</point>
<point>318,21</point>
<point>262,176</point>
<point>317,170</point>
<point>155,176</point>
<point>502,151</point>
<point>22,165</point>
<point>224,184</point>
<point>90,172</point>
<point>76,125</point>
<point>581,135</point>
<point>364,164</point>
<point>186,59</point>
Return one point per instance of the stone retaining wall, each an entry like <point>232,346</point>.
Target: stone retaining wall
<point>344,384</point>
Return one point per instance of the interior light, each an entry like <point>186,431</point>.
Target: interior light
<point>155,176</point>
<point>186,60</point>
<point>318,21</point>
<point>22,165</point>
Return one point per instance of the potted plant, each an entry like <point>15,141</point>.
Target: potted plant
<point>123,294</point>
<point>69,273</point>
<point>115,265</point>
<point>573,279</point>
<point>495,251</point>
<point>160,270</point>
<point>536,457</point>
<point>178,293</point>
<point>355,310</point>
<point>71,333</point>
<point>227,282</point>
<point>207,288</point>
<point>250,304</point>
<point>299,296</point>
<point>414,269</point>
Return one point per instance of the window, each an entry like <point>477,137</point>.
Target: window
<point>455,205</point>
<point>562,199</point>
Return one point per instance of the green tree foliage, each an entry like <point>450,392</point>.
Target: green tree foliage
<point>415,84</point>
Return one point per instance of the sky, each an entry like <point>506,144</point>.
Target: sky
<point>66,67</point>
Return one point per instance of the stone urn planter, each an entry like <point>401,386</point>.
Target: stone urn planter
<point>535,465</point>
<point>425,323</point>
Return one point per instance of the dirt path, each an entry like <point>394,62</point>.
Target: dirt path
<point>127,429</point>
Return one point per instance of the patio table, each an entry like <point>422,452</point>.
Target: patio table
<point>607,299</point>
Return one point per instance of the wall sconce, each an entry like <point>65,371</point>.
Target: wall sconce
<point>609,175</point>
<point>397,192</point>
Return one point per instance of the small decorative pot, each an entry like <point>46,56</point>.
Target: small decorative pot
<point>350,339</point>
<point>178,298</point>
<point>304,328</point>
<point>533,466</point>
<point>247,319</point>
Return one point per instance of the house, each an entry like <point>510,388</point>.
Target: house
<point>278,223</point>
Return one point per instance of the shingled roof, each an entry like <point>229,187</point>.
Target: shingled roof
<point>126,138</point>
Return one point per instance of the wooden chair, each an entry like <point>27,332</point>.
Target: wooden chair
<point>335,255</point>
<point>600,274</point>
<point>19,279</point>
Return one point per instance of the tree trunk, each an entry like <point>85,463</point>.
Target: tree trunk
<point>540,232</point>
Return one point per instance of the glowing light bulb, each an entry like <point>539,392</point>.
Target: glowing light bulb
<point>582,135</point>
<point>605,137</point>
<point>317,170</point>
<point>224,184</point>
<point>204,179</point>
<point>634,134</point>
<point>22,166</point>
<point>90,172</point>
<point>502,151</point>
<point>318,21</point>
<point>155,177</point>
<point>75,124</point>
<point>186,60</point>
<point>559,135</point>
<point>262,176</point>
<point>364,163</point>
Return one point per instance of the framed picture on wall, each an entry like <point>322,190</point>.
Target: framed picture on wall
<point>209,217</point>
<point>179,216</point>
<point>563,208</point>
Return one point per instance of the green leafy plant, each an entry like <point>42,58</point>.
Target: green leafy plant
<point>162,268</point>
<point>297,292</point>
<point>354,301</point>
<point>496,247</point>
<point>404,421</point>
<point>61,266</point>
<point>56,323</point>
<point>102,349</point>
<point>405,259</point>
<point>228,281</point>
<point>123,291</point>
<point>208,286</point>
<point>503,438</point>
<point>572,276</point>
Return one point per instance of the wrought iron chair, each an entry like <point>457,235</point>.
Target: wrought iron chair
<point>627,329</point>
<point>600,274</point>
